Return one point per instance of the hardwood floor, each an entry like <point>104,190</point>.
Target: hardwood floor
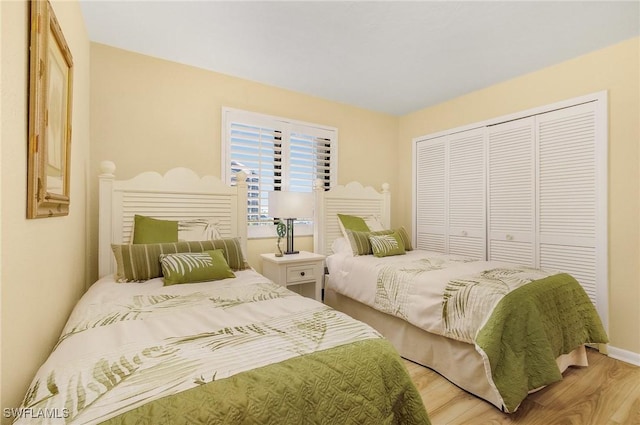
<point>605,393</point>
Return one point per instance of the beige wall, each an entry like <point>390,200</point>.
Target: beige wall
<point>43,274</point>
<point>151,114</point>
<point>1,102</point>
<point>165,114</point>
<point>614,69</point>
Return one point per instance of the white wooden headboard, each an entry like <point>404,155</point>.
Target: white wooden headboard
<point>353,199</point>
<point>179,194</point>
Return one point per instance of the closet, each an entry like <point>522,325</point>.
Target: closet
<point>528,189</point>
<point>451,194</point>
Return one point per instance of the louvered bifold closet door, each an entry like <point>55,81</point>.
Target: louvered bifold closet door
<point>511,187</point>
<point>466,206</point>
<point>567,193</point>
<point>430,194</point>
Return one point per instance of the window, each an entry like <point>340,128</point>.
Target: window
<point>276,154</point>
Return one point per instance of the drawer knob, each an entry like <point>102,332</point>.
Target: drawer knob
<point>301,273</point>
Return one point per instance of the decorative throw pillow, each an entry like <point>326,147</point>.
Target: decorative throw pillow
<point>373,223</point>
<point>140,262</point>
<point>199,229</point>
<point>151,230</point>
<point>386,245</point>
<point>191,267</point>
<point>406,240</point>
<point>360,243</point>
<point>352,222</point>
<point>369,223</point>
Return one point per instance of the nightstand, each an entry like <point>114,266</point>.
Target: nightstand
<point>295,269</point>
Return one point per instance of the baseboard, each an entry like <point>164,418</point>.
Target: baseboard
<point>624,355</point>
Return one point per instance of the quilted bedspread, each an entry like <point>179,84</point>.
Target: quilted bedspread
<point>360,383</point>
<point>519,319</point>
<point>556,315</point>
<point>241,351</point>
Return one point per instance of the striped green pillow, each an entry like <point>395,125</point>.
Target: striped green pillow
<point>386,245</point>
<point>361,245</point>
<point>359,241</point>
<point>406,240</point>
<point>140,262</point>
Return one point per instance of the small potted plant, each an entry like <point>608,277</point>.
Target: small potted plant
<point>281,230</point>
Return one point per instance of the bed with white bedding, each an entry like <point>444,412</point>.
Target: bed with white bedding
<point>464,318</point>
<point>239,349</point>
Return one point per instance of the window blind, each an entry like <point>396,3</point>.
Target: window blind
<point>276,154</point>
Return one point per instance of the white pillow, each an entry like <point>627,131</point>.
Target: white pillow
<point>199,229</point>
<point>340,246</point>
<point>374,223</point>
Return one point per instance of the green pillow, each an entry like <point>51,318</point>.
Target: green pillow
<point>191,267</point>
<point>360,243</point>
<point>386,245</point>
<point>140,262</point>
<point>406,240</point>
<point>152,230</point>
<point>352,222</point>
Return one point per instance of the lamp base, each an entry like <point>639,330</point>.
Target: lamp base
<point>290,249</point>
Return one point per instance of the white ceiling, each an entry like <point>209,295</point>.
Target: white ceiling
<point>389,56</point>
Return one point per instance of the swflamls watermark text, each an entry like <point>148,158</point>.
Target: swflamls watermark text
<point>31,413</point>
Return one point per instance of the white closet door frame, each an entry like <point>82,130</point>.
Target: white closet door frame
<point>601,101</point>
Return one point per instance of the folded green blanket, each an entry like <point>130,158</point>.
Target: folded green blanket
<point>556,316</point>
<point>359,383</point>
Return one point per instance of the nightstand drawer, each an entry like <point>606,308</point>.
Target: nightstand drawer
<point>301,273</point>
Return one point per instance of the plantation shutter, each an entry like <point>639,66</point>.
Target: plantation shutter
<point>309,158</point>
<point>276,154</point>
<point>257,151</point>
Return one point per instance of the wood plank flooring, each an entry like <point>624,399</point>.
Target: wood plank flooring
<point>605,393</point>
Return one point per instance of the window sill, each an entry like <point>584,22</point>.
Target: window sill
<point>269,232</point>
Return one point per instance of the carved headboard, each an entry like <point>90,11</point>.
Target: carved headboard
<point>178,194</point>
<point>353,199</point>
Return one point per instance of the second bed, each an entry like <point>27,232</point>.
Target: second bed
<point>497,330</point>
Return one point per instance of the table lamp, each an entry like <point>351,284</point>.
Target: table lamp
<point>290,206</point>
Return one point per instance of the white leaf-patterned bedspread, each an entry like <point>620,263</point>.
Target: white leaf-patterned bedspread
<point>126,344</point>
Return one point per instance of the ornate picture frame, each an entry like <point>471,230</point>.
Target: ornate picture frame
<point>50,102</point>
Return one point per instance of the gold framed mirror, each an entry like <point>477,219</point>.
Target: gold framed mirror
<point>50,101</point>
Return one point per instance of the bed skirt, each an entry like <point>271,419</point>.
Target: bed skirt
<point>457,361</point>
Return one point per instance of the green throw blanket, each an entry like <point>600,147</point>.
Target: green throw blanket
<point>556,315</point>
<point>360,383</point>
